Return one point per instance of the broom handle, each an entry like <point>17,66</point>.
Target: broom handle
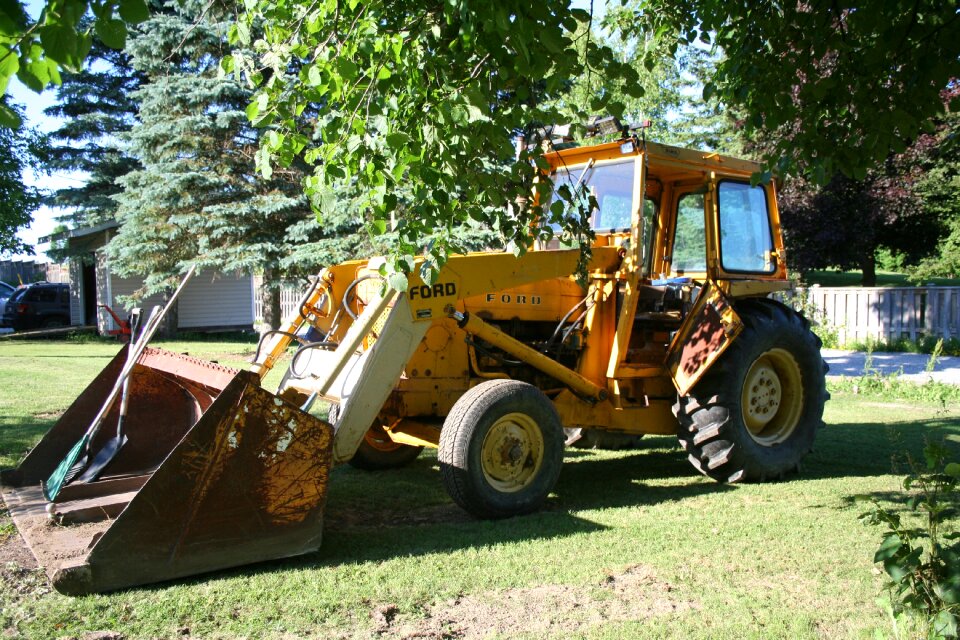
<point>151,327</point>
<point>134,326</point>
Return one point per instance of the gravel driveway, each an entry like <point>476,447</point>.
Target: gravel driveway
<point>912,365</point>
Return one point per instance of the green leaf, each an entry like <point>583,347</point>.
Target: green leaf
<point>944,624</point>
<point>253,110</point>
<point>952,469</point>
<point>243,33</point>
<point>347,69</point>
<point>134,11</point>
<point>9,118</point>
<point>111,32</point>
<point>61,43</point>
<point>9,65</point>
<point>13,19</point>
<point>398,281</point>
<point>34,75</point>
<point>888,548</point>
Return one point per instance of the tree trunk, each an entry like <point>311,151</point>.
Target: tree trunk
<point>868,266</point>
<point>270,297</point>
<point>171,321</point>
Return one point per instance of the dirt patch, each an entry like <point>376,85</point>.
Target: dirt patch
<point>20,578</point>
<point>48,415</point>
<point>14,550</point>
<point>548,610</point>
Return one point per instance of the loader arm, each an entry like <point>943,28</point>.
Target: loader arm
<point>361,379</point>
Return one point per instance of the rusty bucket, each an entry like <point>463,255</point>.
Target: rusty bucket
<point>217,472</point>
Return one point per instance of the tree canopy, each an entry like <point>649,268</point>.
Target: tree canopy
<point>415,105</point>
<point>838,85</point>
<point>17,200</point>
<point>195,198</point>
<point>97,109</point>
<point>434,93</point>
<point>430,95</point>
<point>36,51</point>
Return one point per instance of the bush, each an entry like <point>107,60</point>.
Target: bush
<point>923,344</point>
<point>921,553</point>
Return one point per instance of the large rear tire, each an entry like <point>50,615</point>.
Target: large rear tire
<point>755,414</point>
<point>501,449</point>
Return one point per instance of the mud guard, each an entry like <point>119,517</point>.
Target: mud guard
<point>706,332</point>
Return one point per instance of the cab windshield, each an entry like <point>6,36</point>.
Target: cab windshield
<point>611,185</point>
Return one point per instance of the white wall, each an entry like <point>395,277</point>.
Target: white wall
<point>216,300</point>
<point>209,300</point>
<point>76,293</point>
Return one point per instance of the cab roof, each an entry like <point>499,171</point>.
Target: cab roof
<point>665,162</point>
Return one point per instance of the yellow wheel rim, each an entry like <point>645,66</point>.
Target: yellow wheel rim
<point>772,398</point>
<point>377,438</point>
<point>512,452</point>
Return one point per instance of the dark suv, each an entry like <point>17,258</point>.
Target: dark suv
<point>42,304</point>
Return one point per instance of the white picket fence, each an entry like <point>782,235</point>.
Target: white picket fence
<point>885,313</point>
<point>290,296</point>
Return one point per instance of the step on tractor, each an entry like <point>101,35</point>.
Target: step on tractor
<point>498,362</point>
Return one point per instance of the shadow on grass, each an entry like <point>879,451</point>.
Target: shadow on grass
<point>380,516</point>
<point>18,435</point>
<point>861,450</point>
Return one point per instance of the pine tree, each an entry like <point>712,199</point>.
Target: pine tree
<point>197,197</point>
<point>98,108</point>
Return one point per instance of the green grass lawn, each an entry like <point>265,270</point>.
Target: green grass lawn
<point>632,544</point>
<point>833,278</point>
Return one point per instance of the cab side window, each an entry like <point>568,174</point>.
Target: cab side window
<point>689,238</point>
<point>746,243</point>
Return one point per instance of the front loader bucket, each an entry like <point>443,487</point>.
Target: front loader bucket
<point>217,472</point>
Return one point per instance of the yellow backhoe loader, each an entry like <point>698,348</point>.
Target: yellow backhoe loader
<point>498,361</point>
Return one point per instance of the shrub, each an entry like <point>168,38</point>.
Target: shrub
<point>921,552</point>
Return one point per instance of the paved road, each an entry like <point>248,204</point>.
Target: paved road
<point>912,365</point>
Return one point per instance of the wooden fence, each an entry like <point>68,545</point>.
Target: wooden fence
<point>16,271</point>
<point>885,313</point>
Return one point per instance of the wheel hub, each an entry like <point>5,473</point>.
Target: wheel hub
<point>772,397</point>
<point>512,452</point>
<point>765,394</point>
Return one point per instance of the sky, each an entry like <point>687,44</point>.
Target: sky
<point>44,219</point>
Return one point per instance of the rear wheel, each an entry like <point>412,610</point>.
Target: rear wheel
<point>755,414</point>
<point>377,451</point>
<point>501,449</point>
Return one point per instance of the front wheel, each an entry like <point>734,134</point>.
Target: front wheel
<point>755,414</point>
<point>501,448</point>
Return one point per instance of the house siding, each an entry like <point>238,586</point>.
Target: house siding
<point>216,300</point>
<point>210,300</point>
<point>76,293</point>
